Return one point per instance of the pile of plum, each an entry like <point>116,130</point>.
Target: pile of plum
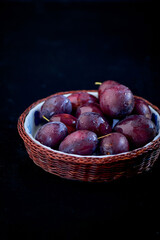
<point>85,125</point>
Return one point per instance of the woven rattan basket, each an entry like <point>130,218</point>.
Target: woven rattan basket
<point>87,168</point>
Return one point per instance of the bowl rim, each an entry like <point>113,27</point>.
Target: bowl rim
<point>154,144</point>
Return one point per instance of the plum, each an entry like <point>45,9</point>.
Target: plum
<point>55,105</point>
<point>80,142</point>
<point>80,98</point>
<point>89,107</point>
<point>93,122</point>
<point>117,101</point>
<point>114,143</point>
<point>142,108</point>
<point>67,119</point>
<point>51,134</point>
<point>138,129</point>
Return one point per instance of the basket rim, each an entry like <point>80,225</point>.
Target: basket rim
<point>154,144</point>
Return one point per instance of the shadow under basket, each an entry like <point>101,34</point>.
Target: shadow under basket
<point>87,168</point>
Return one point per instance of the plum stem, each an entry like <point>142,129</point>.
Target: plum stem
<point>45,118</point>
<point>97,83</point>
<point>104,136</point>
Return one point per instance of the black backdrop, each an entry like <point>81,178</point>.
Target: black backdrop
<point>51,47</point>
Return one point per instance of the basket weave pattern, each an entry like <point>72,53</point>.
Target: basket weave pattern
<point>89,168</point>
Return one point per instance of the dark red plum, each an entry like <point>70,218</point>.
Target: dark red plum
<point>105,85</point>
<point>142,108</point>
<point>114,143</point>
<point>55,105</point>
<point>89,107</point>
<point>51,134</point>
<point>117,101</point>
<point>81,142</point>
<point>81,98</point>
<point>93,122</point>
<point>67,119</point>
<point>138,129</point>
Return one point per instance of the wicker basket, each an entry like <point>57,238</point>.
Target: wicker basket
<point>87,168</point>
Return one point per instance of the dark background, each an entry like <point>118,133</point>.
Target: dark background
<point>51,46</point>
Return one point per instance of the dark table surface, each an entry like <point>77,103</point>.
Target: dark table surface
<point>46,48</point>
